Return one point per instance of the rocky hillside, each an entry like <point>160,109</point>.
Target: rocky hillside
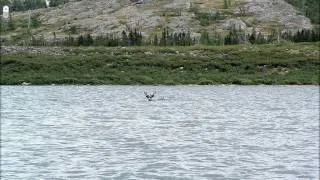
<point>150,16</point>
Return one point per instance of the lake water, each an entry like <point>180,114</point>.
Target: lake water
<point>187,132</point>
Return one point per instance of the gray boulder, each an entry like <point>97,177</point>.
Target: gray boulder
<point>234,23</point>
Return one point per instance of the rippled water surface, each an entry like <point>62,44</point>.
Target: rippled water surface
<point>187,132</point>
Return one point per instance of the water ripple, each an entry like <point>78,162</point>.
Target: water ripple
<point>188,132</point>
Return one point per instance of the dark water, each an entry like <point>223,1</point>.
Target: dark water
<point>187,132</point>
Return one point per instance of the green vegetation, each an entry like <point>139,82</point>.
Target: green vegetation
<point>226,4</point>
<point>54,3</point>
<point>311,8</point>
<point>20,5</point>
<point>207,18</point>
<point>23,5</point>
<point>288,63</point>
<point>35,21</point>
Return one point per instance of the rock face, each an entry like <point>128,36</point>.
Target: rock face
<point>101,16</point>
<point>234,23</point>
<point>277,11</point>
<point>150,16</point>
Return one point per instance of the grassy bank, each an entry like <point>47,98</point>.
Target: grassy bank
<point>241,64</point>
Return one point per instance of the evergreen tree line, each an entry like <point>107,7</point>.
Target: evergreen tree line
<point>216,39</point>
<point>173,39</point>
<point>240,37</point>
<point>135,38</point>
<point>131,38</point>
<point>305,35</point>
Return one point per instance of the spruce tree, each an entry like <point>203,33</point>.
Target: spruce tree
<point>88,40</point>
<point>163,40</point>
<point>252,37</point>
<point>131,38</point>
<point>225,4</point>
<point>80,40</point>
<point>260,39</point>
<point>155,40</point>
<point>204,38</point>
<point>124,39</point>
